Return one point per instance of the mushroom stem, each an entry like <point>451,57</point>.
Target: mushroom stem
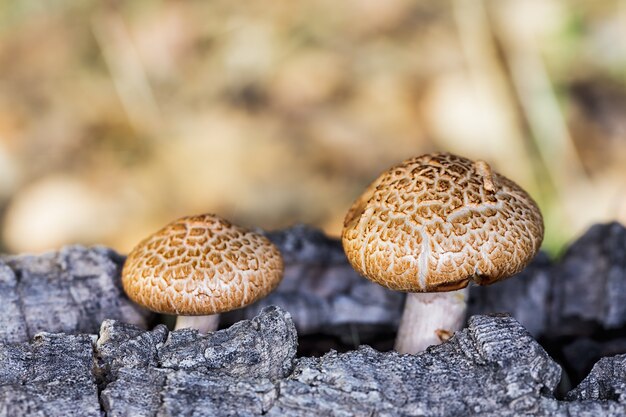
<point>430,319</point>
<point>204,324</point>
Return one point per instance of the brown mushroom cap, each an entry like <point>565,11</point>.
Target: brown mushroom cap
<point>434,222</point>
<point>201,265</point>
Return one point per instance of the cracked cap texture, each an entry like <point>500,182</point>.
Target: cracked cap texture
<point>435,222</point>
<point>201,265</point>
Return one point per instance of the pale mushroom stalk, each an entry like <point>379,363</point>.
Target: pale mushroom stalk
<point>204,324</point>
<point>430,319</point>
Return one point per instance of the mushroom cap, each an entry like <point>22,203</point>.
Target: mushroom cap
<point>434,222</point>
<point>201,265</point>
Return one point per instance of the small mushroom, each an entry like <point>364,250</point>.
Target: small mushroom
<point>430,225</point>
<point>197,267</point>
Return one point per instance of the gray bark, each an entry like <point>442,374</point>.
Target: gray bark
<point>52,376</point>
<point>576,306</point>
<point>589,284</point>
<point>493,367</point>
<point>69,291</point>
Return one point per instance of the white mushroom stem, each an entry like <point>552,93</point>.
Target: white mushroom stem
<point>430,319</point>
<point>204,324</point>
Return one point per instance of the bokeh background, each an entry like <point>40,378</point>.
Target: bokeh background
<point>117,117</point>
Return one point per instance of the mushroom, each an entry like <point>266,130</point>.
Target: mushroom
<point>199,266</point>
<point>430,225</point>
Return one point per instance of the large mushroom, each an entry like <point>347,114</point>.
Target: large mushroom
<point>432,224</point>
<point>197,267</point>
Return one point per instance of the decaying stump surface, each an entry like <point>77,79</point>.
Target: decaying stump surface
<point>52,376</point>
<point>589,284</point>
<point>69,291</point>
<point>575,306</point>
<point>493,367</point>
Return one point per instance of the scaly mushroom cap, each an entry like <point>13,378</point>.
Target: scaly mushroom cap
<point>201,265</point>
<point>434,222</point>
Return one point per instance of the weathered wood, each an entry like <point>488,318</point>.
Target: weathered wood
<point>52,376</point>
<point>493,367</point>
<point>251,368</point>
<point>72,291</point>
<point>589,283</point>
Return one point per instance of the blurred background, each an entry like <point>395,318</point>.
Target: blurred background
<point>117,117</point>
